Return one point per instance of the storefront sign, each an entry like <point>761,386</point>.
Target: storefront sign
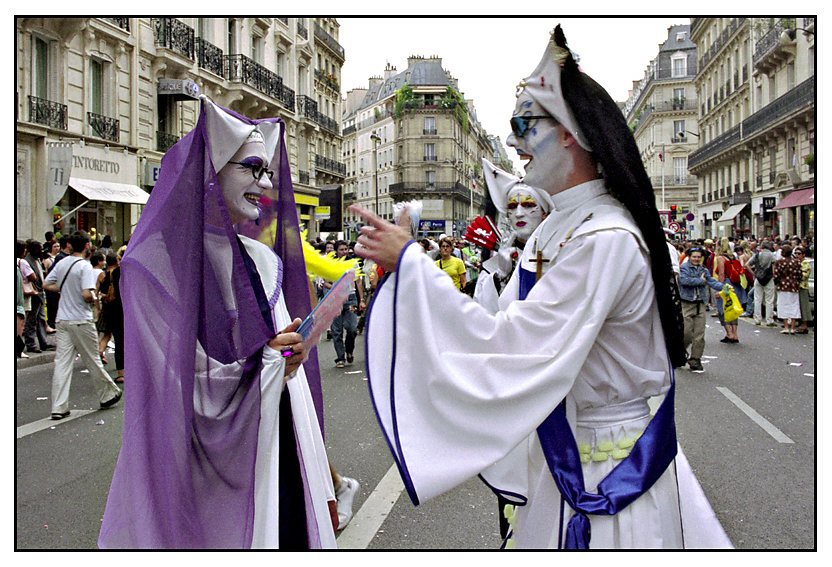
<point>101,164</point>
<point>178,87</point>
<point>151,173</point>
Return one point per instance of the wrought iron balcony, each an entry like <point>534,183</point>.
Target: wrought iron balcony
<point>799,97</point>
<point>165,141</point>
<point>123,23</point>
<point>172,34</point>
<point>103,126</point>
<point>429,158</point>
<point>673,180</point>
<point>302,31</point>
<point>46,112</point>
<point>209,57</point>
<point>307,107</point>
<point>429,132</point>
<point>239,68</point>
<point>284,20</point>
<point>328,123</point>
<point>769,47</point>
<point>348,130</point>
<point>410,188</point>
<point>330,165</point>
<point>329,41</point>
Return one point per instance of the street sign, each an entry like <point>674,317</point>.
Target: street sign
<point>674,226</point>
<point>690,217</point>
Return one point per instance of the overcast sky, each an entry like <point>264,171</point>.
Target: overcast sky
<point>490,55</point>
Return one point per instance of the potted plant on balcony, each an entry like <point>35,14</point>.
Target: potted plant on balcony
<point>810,161</point>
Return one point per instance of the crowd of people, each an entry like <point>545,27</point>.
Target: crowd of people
<point>81,307</point>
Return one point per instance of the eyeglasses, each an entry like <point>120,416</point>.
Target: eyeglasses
<point>520,124</point>
<point>256,171</point>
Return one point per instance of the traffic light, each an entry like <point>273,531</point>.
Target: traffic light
<point>673,212</point>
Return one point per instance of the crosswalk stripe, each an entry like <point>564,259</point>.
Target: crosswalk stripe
<point>46,423</point>
<point>366,522</point>
<point>778,435</point>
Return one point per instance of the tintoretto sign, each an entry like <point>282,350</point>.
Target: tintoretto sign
<point>92,164</point>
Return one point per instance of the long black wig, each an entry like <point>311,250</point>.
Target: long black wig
<point>614,147</point>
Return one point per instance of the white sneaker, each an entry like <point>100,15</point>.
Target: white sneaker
<point>344,497</point>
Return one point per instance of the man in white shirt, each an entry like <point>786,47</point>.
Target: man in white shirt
<point>75,281</point>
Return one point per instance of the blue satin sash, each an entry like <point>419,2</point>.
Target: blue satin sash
<point>633,476</point>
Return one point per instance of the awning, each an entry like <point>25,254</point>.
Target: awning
<point>108,191</point>
<point>797,199</point>
<point>708,210</point>
<point>731,212</point>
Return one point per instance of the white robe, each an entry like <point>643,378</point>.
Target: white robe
<point>307,429</point>
<point>466,389</point>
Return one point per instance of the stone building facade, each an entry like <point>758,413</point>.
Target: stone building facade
<point>412,135</point>
<point>662,113</point>
<point>756,93</point>
<point>116,93</point>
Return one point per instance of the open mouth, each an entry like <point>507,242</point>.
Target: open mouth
<point>252,198</point>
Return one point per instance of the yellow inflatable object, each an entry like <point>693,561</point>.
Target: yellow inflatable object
<point>328,267</point>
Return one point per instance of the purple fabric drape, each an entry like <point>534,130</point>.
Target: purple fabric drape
<point>185,475</point>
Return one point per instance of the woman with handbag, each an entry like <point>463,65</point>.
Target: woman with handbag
<point>724,269</point>
<point>787,277</point>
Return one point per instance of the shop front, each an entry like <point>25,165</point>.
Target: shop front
<point>102,197</point>
<point>800,207</point>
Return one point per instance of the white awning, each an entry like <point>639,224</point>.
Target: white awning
<point>108,191</point>
<point>731,213</point>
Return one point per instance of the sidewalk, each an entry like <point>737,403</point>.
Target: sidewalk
<point>36,359</point>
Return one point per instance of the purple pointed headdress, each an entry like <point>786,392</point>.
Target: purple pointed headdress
<point>183,480</point>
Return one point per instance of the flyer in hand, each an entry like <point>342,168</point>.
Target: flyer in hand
<point>327,309</point>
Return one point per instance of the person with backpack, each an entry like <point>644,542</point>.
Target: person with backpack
<point>764,290</point>
<point>727,269</point>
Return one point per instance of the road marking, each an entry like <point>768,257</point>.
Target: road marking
<point>778,435</point>
<point>48,422</point>
<point>366,522</point>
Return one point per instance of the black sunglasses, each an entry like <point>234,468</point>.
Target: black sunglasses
<point>520,124</point>
<point>256,172</point>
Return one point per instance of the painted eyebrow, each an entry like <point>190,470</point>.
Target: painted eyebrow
<point>252,160</point>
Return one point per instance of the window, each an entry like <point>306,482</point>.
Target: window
<point>681,36</point>
<point>96,87</point>
<point>678,98</point>
<point>680,169</point>
<point>790,76</point>
<point>40,68</point>
<point>231,37</point>
<point>280,65</point>
<point>680,65</point>
<point>678,129</point>
<point>430,179</point>
<point>772,89</point>
<point>430,152</point>
<point>791,154</point>
<point>257,49</point>
<point>430,125</point>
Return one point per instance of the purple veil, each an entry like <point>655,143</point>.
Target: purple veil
<point>181,480</point>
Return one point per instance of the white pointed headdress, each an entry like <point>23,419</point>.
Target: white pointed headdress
<point>543,85</point>
<point>226,134</point>
<point>500,183</point>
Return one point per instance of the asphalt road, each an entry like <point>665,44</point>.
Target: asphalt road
<point>746,424</point>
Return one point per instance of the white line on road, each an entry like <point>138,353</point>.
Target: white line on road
<point>48,422</point>
<point>366,522</point>
<point>778,435</point>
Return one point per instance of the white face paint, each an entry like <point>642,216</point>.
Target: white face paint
<point>524,214</point>
<point>240,189</point>
<point>548,163</point>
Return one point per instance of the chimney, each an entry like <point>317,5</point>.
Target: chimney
<point>389,71</point>
<point>375,81</point>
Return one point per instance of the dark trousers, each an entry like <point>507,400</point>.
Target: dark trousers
<point>34,331</point>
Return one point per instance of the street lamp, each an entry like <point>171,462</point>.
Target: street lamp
<point>376,140</point>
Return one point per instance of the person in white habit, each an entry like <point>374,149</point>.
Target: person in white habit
<point>547,399</point>
<point>521,208</point>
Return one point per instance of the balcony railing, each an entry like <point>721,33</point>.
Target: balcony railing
<point>103,126</point>
<point>673,180</point>
<point>307,107</point>
<point>403,190</point>
<point>303,177</point>
<point>302,31</point>
<point>348,130</point>
<point>429,158</point>
<point>328,80</point>
<point>329,41</point>
<point>769,41</point>
<point>46,112</point>
<point>328,123</point>
<point>172,34</point>
<point>800,96</point>
<point>429,132</point>
<point>209,57</point>
<point>165,141</point>
<point>284,20</point>
<point>330,165</point>
<point>123,23</point>
<point>239,68</point>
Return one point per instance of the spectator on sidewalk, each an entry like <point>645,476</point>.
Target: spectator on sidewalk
<point>693,279</point>
<point>75,281</point>
<point>805,307</point>
<point>762,265</point>
<point>53,299</point>
<point>19,311</point>
<point>34,331</point>
<point>787,276</point>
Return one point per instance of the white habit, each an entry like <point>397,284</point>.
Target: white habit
<point>466,389</point>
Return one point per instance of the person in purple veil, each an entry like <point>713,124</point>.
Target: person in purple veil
<point>223,449</point>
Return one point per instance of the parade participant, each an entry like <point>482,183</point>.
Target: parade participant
<point>594,332</point>
<point>520,209</point>
<point>693,279</point>
<point>223,449</point>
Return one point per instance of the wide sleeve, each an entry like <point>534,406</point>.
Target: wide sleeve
<point>456,388</point>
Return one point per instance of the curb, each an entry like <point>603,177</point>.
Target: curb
<point>35,359</point>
